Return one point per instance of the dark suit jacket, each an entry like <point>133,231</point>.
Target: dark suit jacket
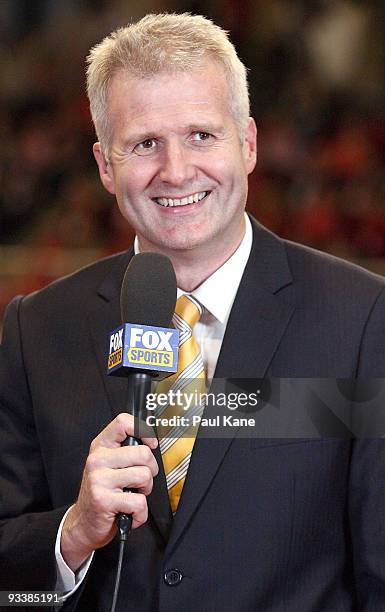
<point>270,524</point>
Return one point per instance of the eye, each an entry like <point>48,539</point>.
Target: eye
<point>145,147</point>
<point>201,137</point>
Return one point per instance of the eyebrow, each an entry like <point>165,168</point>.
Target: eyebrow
<point>204,127</point>
<point>140,137</point>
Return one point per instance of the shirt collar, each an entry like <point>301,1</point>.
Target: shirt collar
<point>217,293</point>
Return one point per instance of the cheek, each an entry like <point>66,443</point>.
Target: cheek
<point>128,189</point>
<point>134,177</point>
<point>222,168</point>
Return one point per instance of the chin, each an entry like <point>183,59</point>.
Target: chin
<point>178,242</point>
<point>179,245</point>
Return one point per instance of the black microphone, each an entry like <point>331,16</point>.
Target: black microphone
<point>148,293</point>
<point>148,297</point>
<point>142,347</point>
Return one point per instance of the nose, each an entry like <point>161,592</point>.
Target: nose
<point>176,165</point>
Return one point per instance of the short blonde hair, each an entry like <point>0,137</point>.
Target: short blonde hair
<point>166,42</point>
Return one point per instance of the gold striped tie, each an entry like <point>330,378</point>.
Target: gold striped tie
<point>176,443</point>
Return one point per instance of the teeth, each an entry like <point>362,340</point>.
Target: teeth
<point>196,197</point>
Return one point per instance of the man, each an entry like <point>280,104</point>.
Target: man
<point>262,524</point>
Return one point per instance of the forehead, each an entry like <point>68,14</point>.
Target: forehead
<point>168,98</point>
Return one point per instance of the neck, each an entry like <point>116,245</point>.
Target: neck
<point>191,273</point>
<point>194,266</point>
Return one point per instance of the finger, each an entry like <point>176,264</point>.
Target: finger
<point>117,431</point>
<point>138,477</point>
<point>122,457</point>
<point>134,504</point>
<point>106,505</point>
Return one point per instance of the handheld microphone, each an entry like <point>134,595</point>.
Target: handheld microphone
<point>144,345</point>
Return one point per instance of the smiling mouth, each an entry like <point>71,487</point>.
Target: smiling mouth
<point>185,201</point>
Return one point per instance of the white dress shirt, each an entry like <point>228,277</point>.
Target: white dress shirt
<point>216,294</point>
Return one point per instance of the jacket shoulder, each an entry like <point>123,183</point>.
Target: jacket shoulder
<point>81,283</point>
<point>323,270</point>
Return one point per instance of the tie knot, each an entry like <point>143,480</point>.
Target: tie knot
<point>188,309</point>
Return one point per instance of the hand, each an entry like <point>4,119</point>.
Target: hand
<point>110,467</point>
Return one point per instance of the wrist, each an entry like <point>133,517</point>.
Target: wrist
<point>74,546</point>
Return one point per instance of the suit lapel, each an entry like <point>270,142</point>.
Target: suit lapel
<point>261,311</point>
<point>104,317</point>
<point>260,314</point>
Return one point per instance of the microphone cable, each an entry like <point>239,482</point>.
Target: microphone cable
<point>124,522</point>
<point>124,529</point>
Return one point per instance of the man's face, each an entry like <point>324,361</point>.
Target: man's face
<point>176,163</point>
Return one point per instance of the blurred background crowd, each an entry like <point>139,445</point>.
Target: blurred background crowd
<point>317,86</point>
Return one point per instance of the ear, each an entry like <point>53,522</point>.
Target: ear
<point>250,146</point>
<point>105,169</point>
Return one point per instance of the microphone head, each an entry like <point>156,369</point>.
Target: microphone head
<point>148,293</point>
